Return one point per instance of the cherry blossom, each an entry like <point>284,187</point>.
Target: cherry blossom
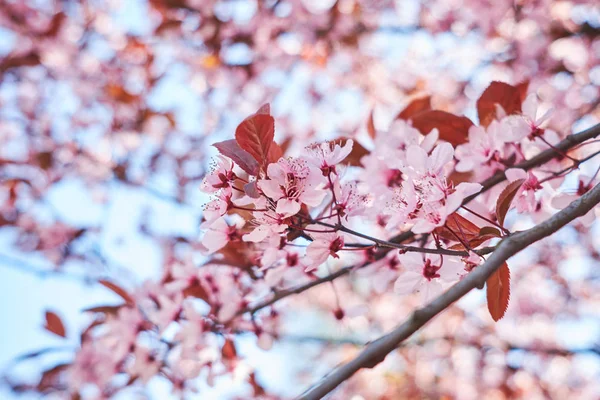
<point>562,200</point>
<point>528,124</point>
<point>485,148</point>
<point>220,177</point>
<point>295,233</point>
<point>328,154</point>
<point>324,244</point>
<point>266,223</point>
<point>426,274</point>
<point>219,205</point>
<point>291,183</point>
<point>219,233</point>
<point>525,200</point>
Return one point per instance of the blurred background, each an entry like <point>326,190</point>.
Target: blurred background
<point>107,113</point>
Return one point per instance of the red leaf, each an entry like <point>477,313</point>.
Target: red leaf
<point>452,128</point>
<point>522,88</point>
<point>275,153</point>
<point>490,231</point>
<point>228,351</point>
<point>498,292</point>
<point>462,227</point>
<point>54,324</point>
<point>371,125</point>
<point>415,107</point>
<point>503,94</point>
<point>118,290</point>
<point>256,387</point>
<point>358,151</point>
<point>231,149</point>
<point>111,310</point>
<point>264,109</point>
<point>196,290</point>
<point>255,135</point>
<point>50,377</point>
<point>505,199</point>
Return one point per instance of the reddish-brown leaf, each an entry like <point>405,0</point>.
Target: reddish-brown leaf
<point>502,94</point>
<point>236,254</point>
<point>228,351</point>
<point>111,310</point>
<point>459,177</point>
<point>118,290</point>
<point>264,109</point>
<point>231,149</point>
<point>120,94</point>
<point>49,378</point>
<point>477,241</point>
<point>54,324</point>
<point>498,292</point>
<point>490,231</point>
<point>522,88</point>
<point>371,125</point>
<point>275,153</point>
<point>256,387</point>
<point>358,151</point>
<point>452,128</point>
<point>255,135</point>
<point>196,290</point>
<point>415,107</point>
<point>457,225</point>
<point>505,199</point>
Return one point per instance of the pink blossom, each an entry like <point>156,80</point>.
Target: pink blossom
<point>525,200</point>
<point>350,201</point>
<point>484,146</point>
<point>219,205</point>
<point>327,155</point>
<point>145,365</point>
<point>291,183</point>
<point>433,165</point>
<point>403,206</point>
<point>528,124</point>
<point>563,200</point>
<point>324,244</point>
<point>218,234</point>
<point>266,223</point>
<point>427,274</point>
<point>221,176</point>
<point>168,310</point>
<point>472,260</point>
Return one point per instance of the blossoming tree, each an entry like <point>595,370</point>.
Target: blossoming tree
<point>372,224</point>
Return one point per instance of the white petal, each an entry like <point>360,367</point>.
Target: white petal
<point>408,282</point>
<point>287,207</point>
<point>514,174</point>
<point>441,156</point>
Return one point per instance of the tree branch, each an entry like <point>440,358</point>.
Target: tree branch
<point>376,352</point>
<point>536,161</point>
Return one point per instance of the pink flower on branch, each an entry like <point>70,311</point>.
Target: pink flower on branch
<point>291,183</point>
<point>427,274</point>
<point>525,200</point>
<point>324,244</point>
<point>221,175</point>
<point>528,124</point>
<point>327,155</point>
<point>218,234</point>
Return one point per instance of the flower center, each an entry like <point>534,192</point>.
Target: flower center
<point>430,271</point>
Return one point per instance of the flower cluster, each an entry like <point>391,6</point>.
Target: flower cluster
<point>277,221</point>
